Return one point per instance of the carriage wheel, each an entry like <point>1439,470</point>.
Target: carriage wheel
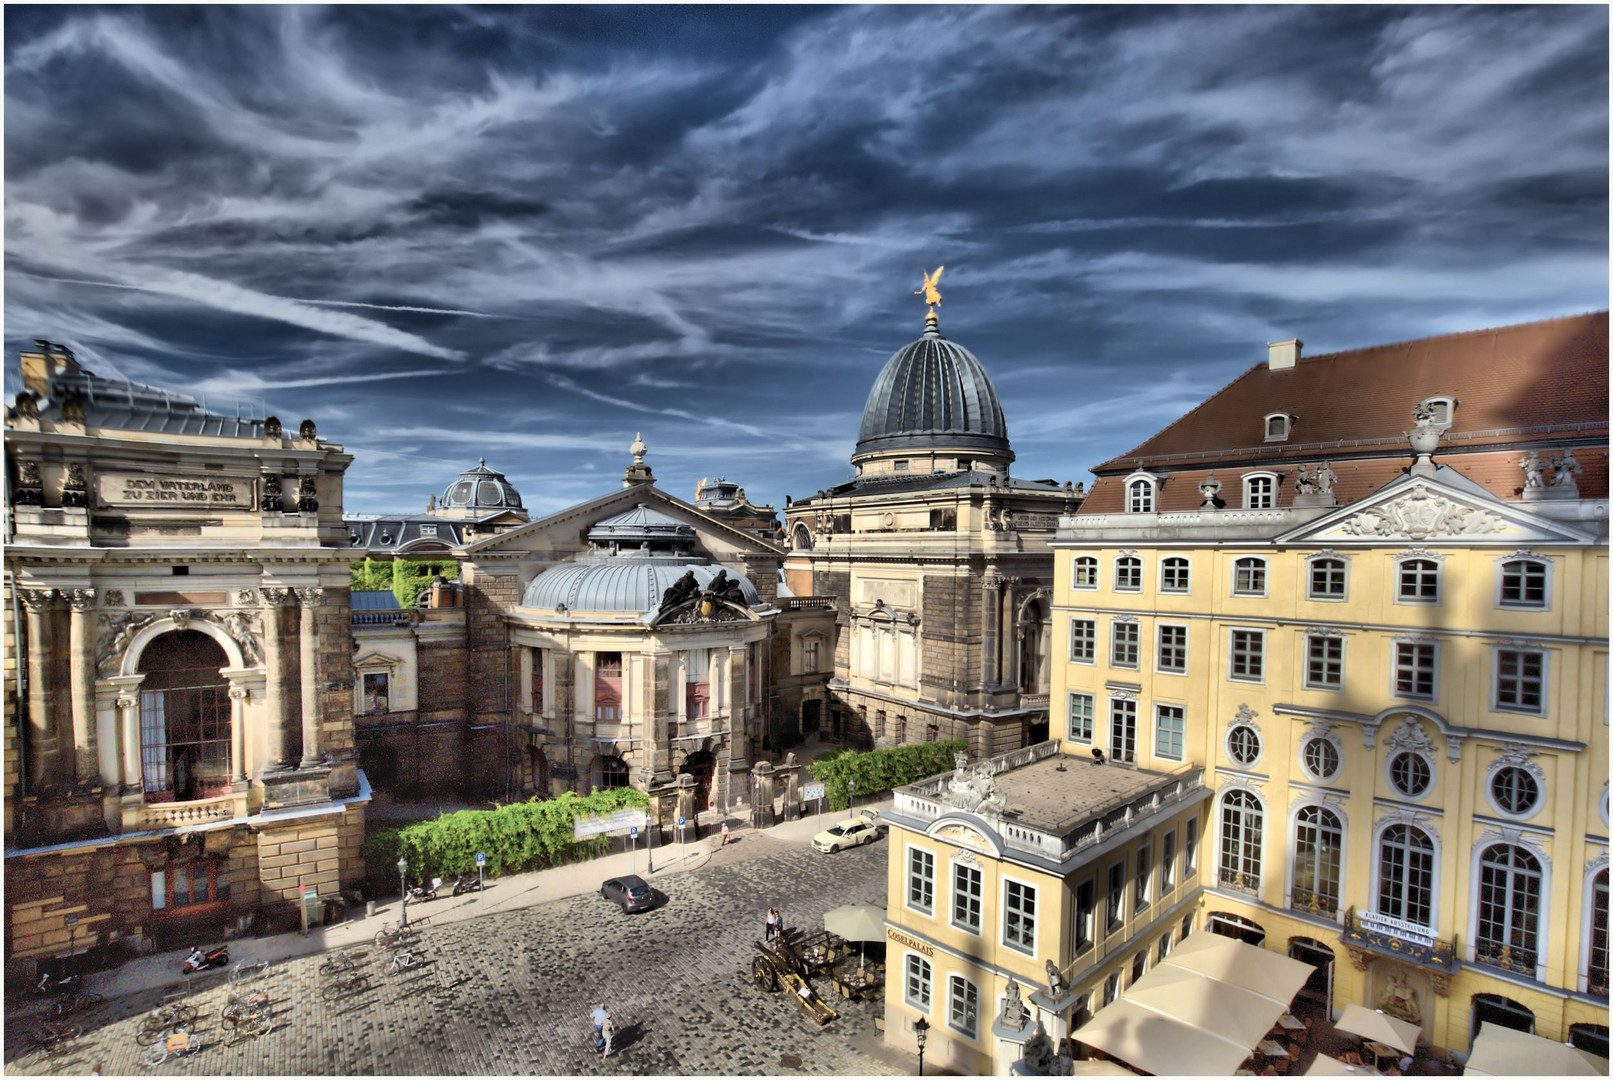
<point>765,976</point>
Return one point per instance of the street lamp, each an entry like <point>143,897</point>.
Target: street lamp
<point>649,778</point>
<point>403,887</point>
<point>921,1029</point>
<point>851,786</point>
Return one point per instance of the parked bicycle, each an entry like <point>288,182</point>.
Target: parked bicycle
<point>344,983</point>
<point>403,960</point>
<point>51,1038</point>
<point>248,971</point>
<point>247,1016</point>
<point>337,963</point>
<point>162,1021</point>
<point>68,1004</point>
<point>181,1043</point>
<point>392,935</point>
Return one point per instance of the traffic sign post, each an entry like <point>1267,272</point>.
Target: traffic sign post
<point>481,861</point>
<point>632,836</point>
<point>681,820</point>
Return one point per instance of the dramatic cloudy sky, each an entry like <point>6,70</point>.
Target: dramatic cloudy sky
<point>527,233</point>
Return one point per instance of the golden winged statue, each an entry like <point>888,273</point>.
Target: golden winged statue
<point>928,290</point>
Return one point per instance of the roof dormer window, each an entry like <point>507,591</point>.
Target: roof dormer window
<point>1278,425</point>
<point>1439,410</point>
<point>1141,493</point>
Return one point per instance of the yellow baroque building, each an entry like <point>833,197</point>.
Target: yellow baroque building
<point>1390,662</point>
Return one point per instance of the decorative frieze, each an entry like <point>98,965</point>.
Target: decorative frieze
<point>30,489</point>
<point>1419,514</point>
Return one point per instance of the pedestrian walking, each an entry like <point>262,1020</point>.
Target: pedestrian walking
<point>600,1016</point>
<point>724,835</point>
<point>608,1034</point>
<point>772,924</point>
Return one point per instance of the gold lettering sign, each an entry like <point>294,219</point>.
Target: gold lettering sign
<point>209,492</point>
<point>902,939</point>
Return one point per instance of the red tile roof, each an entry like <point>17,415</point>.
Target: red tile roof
<point>1532,382</point>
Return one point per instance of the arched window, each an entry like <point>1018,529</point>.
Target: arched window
<point>1086,572</point>
<point>1406,875</point>
<point>963,1011</point>
<point>1418,582</point>
<point>185,718</point>
<point>1259,491</point>
<point>916,985</point>
<point>1318,842</point>
<point>801,537</point>
<point>1128,574</point>
<point>1326,580</point>
<point>613,773</point>
<point>1596,939</point>
<point>1242,828</point>
<point>1249,576</point>
<point>1524,584</point>
<point>1174,574</point>
<point>1509,909</point>
<point>1277,425</point>
<point>1140,496</point>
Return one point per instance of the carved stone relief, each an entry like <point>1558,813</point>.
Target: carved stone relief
<point>1419,514</point>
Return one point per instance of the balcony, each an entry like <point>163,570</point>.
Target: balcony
<point>1518,961</point>
<point>1314,903</point>
<point>142,817</point>
<point>1370,934</point>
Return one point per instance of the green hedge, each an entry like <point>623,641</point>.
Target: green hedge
<point>878,771</point>
<point>523,836</point>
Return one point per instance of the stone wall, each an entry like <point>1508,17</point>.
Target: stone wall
<point>950,656</point>
<point>335,628</point>
<point>304,853</point>
<point>13,716</point>
<point>443,679</point>
<point>487,597</point>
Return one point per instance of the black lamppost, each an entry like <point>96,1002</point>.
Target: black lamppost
<point>403,887</point>
<point>921,1029</point>
<point>653,818</point>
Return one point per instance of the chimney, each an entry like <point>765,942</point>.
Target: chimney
<point>1284,354</point>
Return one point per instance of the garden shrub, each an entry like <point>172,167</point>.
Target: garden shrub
<point>879,771</point>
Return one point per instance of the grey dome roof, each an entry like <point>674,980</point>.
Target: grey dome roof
<point>932,393</point>
<point>481,489</point>
<point>640,524</point>
<point>620,584</point>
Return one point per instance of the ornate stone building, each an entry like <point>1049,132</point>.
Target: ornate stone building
<point>178,730</point>
<point>725,500</point>
<point>937,561</point>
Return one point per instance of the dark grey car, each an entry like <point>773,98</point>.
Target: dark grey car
<point>632,892</point>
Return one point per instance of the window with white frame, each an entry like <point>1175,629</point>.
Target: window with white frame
<point>1123,730</point>
<point>963,1011</point>
<point>1173,649</point>
<point>1167,864</point>
<point>1086,572</point>
<point>1259,491</point>
<point>1249,576</point>
<point>1124,643</point>
<point>1327,579</point>
<point>1170,726</point>
<point>1175,574</point>
<point>1242,830</point>
<point>1085,909</point>
<point>1520,680</point>
<point>1509,908</point>
<point>1515,791</point>
<point>1111,988</point>
<point>1524,584</point>
<point>916,987</point>
<point>1019,916</point>
<point>967,890</point>
<point>1406,874</point>
<point>1128,574</point>
<point>1117,895</point>
<point>1410,774</point>
<point>1324,662</point>
<point>1243,744</point>
<point>1417,582</point>
<point>1081,710</point>
<point>1164,946</point>
<point>1276,427</point>
<point>1320,758</point>
<point>1141,893</point>
<point>1248,656</point>
<point>1415,667</point>
<point>1190,850</point>
<point>1318,845</point>
<point>1139,965</point>
<point>809,655</point>
<point>1440,410</point>
<point>1140,496</point>
<point>921,880</point>
<point>1083,641</point>
<point>1596,949</point>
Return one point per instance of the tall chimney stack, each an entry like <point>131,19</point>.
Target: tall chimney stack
<point>1284,354</point>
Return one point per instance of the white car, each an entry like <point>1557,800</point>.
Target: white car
<point>848,833</point>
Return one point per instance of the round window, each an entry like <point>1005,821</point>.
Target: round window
<point>1321,759</point>
<point>1243,744</point>
<point>1515,790</point>
<point>1410,774</point>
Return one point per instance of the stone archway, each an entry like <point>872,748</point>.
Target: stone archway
<point>611,771</point>
<point>185,722</point>
<point>702,766</point>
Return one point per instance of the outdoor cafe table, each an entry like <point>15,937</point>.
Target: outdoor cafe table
<point>1290,1022</point>
<point>1271,1048</point>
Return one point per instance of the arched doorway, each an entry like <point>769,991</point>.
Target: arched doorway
<point>801,537</point>
<point>610,772</point>
<point>1236,926</point>
<point>1319,987</point>
<point>702,766</point>
<point>184,718</point>
<point>1495,1009</point>
<point>1033,637</point>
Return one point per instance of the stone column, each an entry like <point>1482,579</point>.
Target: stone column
<point>989,611</point>
<point>43,763</point>
<point>81,660</point>
<point>129,723</point>
<point>524,661</point>
<point>272,737</point>
<point>1005,639</point>
<point>308,638</point>
<point>238,699</point>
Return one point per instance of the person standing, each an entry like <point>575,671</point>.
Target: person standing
<point>772,924</point>
<point>724,835</point>
<point>608,1034</point>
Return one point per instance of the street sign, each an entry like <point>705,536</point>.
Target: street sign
<point>680,821</point>
<point>809,792</point>
<point>481,858</point>
<point>633,832</point>
<point>587,825</point>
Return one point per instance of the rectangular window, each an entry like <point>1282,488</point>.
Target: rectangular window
<point>538,657</point>
<point>1139,966</point>
<point>1128,574</point>
<point>901,729</point>
<point>1248,656</point>
<point>1260,493</point>
<point>1174,575</point>
<point>608,686</point>
<point>1086,572</point>
<point>1081,718</point>
<point>921,881</point>
<point>1167,864</point>
<point>1123,730</point>
<point>1085,909</point>
<point>809,656</point>
<point>1324,662</point>
<point>917,983</point>
<point>1170,724</point>
<point>1520,680</point>
<point>966,893</point>
<point>932,733</point>
<point>697,700</point>
<point>1164,946</point>
<point>964,1010</point>
<point>376,695</point>
<point>159,890</point>
<point>1140,897</point>
<point>1117,896</point>
<point>1173,649</point>
<point>1523,584</point>
<point>1124,644</point>
<point>1019,916</point>
<point>1190,851</point>
<point>879,723</point>
<point>1249,577</point>
<point>1414,669</point>
<point>1111,988</point>
<point>1327,579</point>
<point>1419,582</point>
<point>1083,641</point>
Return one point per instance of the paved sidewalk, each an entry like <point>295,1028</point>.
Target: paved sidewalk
<point>511,893</point>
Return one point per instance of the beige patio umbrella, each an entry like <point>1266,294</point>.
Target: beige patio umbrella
<point>856,922</point>
<point>1379,1027</point>
<point>1099,1068</point>
<point>1332,1066</point>
<point>1502,1051</point>
<point>1234,1013</point>
<point>1231,961</point>
<point>1156,1043</point>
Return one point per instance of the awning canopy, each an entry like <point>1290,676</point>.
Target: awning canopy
<point>1379,1027</point>
<point>856,922</point>
<point>1249,966</point>
<point>1158,1044</point>
<point>1194,998</point>
<point>1332,1066</point>
<point>1502,1051</point>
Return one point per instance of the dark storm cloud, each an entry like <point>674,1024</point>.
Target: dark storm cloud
<point>531,232</point>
